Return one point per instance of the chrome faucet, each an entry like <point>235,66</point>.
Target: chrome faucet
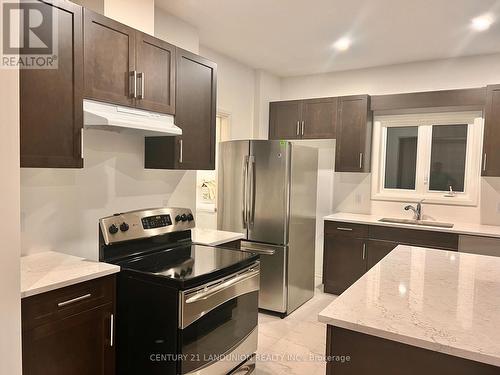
<point>417,210</point>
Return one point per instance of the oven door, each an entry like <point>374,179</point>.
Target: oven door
<point>218,323</point>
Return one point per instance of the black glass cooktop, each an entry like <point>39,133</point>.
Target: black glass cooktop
<point>191,265</point>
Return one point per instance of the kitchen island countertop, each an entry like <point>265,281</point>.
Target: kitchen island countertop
<point>438,300</point>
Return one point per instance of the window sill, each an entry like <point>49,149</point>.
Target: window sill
<point>428,198</point>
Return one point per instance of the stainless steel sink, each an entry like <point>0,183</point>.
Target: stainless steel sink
<point>427,223</point>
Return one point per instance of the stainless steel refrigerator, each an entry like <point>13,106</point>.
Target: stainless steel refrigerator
<point>267,191</point>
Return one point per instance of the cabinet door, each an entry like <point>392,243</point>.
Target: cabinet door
<point>491,156</point>
<point>285,120</point>
<point>195,114</point>
<point>109,49</point>
<point>353,135</point>
<point>344,262</point>
<point>51,111</point>
<point>196,110</point>
<point>80,344</point>
<point>319,118</point>
<point>155,64</point>
<point>376,250</point>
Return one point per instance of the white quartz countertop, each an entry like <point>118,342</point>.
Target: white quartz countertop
<point>439,300</point>
<point>458,228</point>
<point>213,237</point>
<point>46,271</point>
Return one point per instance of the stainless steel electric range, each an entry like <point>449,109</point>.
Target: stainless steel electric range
<point>182,308</point>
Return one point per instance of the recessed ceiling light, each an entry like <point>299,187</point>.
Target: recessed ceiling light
<point>342,44</point>
<point>482,23</point>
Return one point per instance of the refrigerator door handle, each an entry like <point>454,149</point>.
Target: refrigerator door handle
<point>251,206</point>
<point>244,212</point>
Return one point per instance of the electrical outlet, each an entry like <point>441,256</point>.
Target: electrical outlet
<point>498,208</point>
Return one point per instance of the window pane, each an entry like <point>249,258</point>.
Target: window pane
<point>449,147</point>
<point>401,158</point>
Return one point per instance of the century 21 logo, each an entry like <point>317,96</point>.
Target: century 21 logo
<point>28,32</point>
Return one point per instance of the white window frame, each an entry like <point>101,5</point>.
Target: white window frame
<point>424,122</point>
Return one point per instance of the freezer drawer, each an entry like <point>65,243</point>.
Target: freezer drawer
<point>273,290</point>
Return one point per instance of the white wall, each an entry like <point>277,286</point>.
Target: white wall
<point>458,73</point>
<point>235,93</point>
<point>352,191</point>
<point>10,290</point>
<point>139,14</point>
<point>61,207</point>
<point>267,89</point>
<point>176,31</point>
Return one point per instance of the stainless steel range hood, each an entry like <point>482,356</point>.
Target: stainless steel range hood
<point>104,116</point>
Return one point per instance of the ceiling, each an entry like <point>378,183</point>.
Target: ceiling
<point>295,37</point>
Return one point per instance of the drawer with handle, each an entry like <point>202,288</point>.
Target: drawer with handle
<point>60,303</point>
<point>346,229</point>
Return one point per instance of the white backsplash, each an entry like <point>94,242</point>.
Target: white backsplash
<point>352,193</point>
<point>61,207</point>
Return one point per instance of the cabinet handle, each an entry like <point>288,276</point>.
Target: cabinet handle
<point>74,300</point>
<point>133,84</point>
<point>81,142</point>
<point>361,160</point>
<point>181,153</point>
<point>345,229</point>
<point>298,127</point>
<point>112,330</point>
<point>303,126</point>
<point>142,77</point>
<point>364,251</point>
<point>484,162</point>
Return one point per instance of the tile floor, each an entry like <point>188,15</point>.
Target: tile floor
<point>292,345</point>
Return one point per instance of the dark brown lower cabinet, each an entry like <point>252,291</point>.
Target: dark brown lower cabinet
<point>373,355</point>
<point>352,249</point>
<point>344,262</point>
<point>376,250</point>
<point>70,330</point>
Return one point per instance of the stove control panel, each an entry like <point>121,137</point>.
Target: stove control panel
<point>139,224</point>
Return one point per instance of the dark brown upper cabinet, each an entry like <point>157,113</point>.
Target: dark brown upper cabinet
<point>109,59</point>
<point>155,60</point>
<point>196,99</point>
<point>284,120</point>
<point>354,134</point>
<point>127,67</point>
<point>303,119</point>
<point>319,118</point>
<point>491,156</point>
<point>51,109</point>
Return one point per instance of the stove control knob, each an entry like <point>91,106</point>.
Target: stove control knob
<point>190,217</point>
<point>184,217</point>
<point>124,227</point>
<point>113,229</point>
<point>178,218</point>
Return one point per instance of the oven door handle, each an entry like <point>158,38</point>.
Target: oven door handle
<point>223,286</point>
<point>194,304</point>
